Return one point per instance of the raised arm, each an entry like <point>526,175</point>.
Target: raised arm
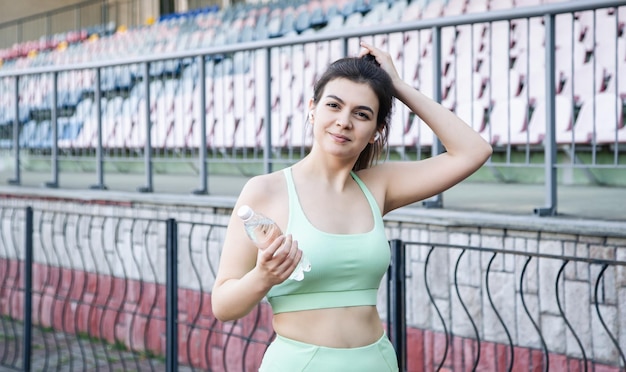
<point>466,150</point>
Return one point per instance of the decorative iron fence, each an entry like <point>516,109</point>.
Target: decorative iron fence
<point>88,291</point>
<point>496,309</point>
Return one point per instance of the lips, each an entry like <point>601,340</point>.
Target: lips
<point>340,137</point>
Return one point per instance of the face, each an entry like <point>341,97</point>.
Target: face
<point>344,119</point>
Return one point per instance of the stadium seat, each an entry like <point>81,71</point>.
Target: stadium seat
<point>412,12</point>
<point>465,86</point>
<point>68,131</point>
<point>520,3</point>
<point>425,137</point>
<point>27,133</point>
<point>42,138</point>
<point>434,9</point>
<point>500,4</point>
<point>473,113</point>
<point>302,20</point>
<point>599,119</point>
<point>399,121</point>
<point>600,28</point>
<point>110,121</point>
<point>395,12</point>
<point>477,6</point>
<point>564,116</point>
<point>509,119</point>
<point>377,15</point>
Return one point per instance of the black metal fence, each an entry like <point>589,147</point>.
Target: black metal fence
<point>90,292</point>
<point>493,295</point>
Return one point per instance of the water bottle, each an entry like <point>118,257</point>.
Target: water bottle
<point>262,231</point>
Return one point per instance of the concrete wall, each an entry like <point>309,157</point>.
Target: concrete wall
<point>12,10</point>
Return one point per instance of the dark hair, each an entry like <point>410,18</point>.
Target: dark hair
<point>364,70</point>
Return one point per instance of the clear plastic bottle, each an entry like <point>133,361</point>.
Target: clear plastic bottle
<point>262,231</point>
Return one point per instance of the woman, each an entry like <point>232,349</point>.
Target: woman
<point>330,205</point>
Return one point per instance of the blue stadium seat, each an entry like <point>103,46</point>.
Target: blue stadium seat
<point>317,18</point>
<point>42,138</point>
<point>27,133</point>
<point>303,20</point>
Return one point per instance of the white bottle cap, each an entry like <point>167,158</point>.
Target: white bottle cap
<point>245,212</point>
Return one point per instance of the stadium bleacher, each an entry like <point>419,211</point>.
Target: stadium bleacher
<point>492,75</point>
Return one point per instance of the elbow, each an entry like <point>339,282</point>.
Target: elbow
<point>487,151</point>
<point>483,150</point>
<point>219,312</point>
<point>480,154</point>
<point>224,311</point>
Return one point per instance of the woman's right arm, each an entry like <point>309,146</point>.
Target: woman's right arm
<point>245,273</point>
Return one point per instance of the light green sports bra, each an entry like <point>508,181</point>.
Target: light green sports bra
<point>346,269</point>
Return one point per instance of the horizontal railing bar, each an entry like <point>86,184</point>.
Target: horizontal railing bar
<point>133,218</point>
<point>598,261</point>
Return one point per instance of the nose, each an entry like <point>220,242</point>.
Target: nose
<point>343,121</point>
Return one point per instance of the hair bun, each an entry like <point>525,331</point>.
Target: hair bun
<point>370,58</point>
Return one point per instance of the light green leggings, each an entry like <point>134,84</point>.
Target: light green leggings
<point>286,355</point>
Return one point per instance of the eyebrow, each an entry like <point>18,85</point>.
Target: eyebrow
<point>367,108</point>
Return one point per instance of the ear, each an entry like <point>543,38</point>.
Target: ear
<point>311,110</point>
<point>374,137</point>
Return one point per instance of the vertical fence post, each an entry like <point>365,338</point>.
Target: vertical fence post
<point>148,144</point>
<point>28,288</point>
<point>171,352</point>
<point>99,150</point>
<point>267,151</point>
<point>396,301</point>
<point>54,123</point>
<point>437,148</point>
<point>202,151</point>
<point>550,140</point>
<point>16,132</point>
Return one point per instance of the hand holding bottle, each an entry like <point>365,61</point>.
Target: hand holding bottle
<point>263,231</point>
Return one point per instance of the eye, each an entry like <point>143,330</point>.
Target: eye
<point>363,115</point>
<point>332,104</point>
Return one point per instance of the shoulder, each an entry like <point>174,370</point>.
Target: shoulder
<point>373,177</point>
<point>266,193</point>
<point>264,185</point>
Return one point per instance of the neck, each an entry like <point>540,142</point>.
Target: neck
<point>335,174</point>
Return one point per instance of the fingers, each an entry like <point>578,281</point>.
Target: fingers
<point>280,258</point>
<point>291,259</point>
<point>367,48</point>
<point>382,57</point>
<point>275,246</point>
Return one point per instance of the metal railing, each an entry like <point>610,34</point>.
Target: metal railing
<point>180,97</point>
<point>84,291</point>
<point>492,296</point>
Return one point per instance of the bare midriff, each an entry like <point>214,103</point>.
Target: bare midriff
<point>343,327</point>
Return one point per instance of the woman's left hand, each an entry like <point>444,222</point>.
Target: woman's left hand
<point>383,58</point>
